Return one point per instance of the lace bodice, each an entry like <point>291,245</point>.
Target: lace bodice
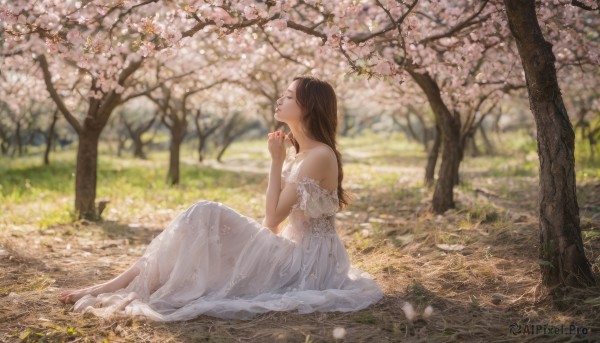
<point>314,211</point>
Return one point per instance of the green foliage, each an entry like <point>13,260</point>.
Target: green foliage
<point>525,166</point>
<point>474,303</point>
<point>521,150</point>
<point>364,317</point>
<point>376,149</point>
<point>587,170</point>
<point>48,191</point>
<point>587,164</point>
<point>589,234</point>
<point>26,283</point>
<point>23,180</point>
<point>518,142</point>
<point>487,253</point>
<point>483,212</point>
<point>49,332</point>
<point>419,293</point>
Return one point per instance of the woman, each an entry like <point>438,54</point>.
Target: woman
<point>212,260</point>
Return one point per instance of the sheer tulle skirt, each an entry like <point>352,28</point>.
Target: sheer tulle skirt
<point>212,260</point>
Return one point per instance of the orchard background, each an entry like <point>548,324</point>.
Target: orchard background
<point>469,132</point>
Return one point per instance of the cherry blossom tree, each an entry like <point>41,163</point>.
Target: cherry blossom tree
<point>206,125</point>
<point>23,107</point>
<point>411,103</point>
<point>138,117</point>
<point>563,260</point>
<point>172,101</point>
<point>81,41</point>
<point>580,86</point>
<point>50,137</point>
<point>237,112</point>
<point>101,45</point>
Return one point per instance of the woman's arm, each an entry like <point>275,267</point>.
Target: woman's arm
<point>279,200</point>
<point>273,194</point>
<point>320,165</point>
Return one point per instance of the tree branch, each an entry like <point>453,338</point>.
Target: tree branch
<point>245,23</point>
<point>581,5</point>
<point>307,30</point>
<point>466,23</point>
<point>151,89</point>
<point>122,15</point>
<point>194,91</point>
<point>54,94</point>
<point>12,53</point>
<point>393,25</point>
<point>284,56</point>
<point>112,99</point>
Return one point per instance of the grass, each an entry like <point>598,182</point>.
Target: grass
<point>45,192</point>
<point>388,232</point>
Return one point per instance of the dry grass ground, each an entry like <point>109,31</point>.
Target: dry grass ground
<point>477,266</point>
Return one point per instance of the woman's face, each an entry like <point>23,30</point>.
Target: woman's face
<point>288,111</point>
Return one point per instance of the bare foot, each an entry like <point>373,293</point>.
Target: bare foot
<point>70,296</point>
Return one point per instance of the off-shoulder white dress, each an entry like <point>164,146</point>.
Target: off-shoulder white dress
<point>212,260</point>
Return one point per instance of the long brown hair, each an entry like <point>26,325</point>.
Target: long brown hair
<point>319,115</point>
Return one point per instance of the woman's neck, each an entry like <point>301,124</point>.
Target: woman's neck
<point>303,140</point>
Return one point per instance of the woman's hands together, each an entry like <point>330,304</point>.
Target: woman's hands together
<point>277,145</point>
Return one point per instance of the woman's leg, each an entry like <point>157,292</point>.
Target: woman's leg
<point>119,282</point>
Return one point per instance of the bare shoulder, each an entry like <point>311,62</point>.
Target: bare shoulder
<point>320,164</point>
<point>322,154</point>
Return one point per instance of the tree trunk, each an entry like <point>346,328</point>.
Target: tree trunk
<point>425,137</point>
<point>50,139</point>
<point>138,147</point>
<point>489,147</point>
<point>471,144</point>
<point>203,133</point>
<point>432,157</point>
<point>4,141</point>
<point>86,173</point>
<point>347,123</point>
<point>563,260</point>
<point>99,111</point>
<point>121,136</point>
<point>136,136</point>
<point>201,144</point>
<point>454,158</point>
<point>231,132</point>
<point>120,144</point>
<point>5,147</point>
<point>224,147</point>
<point>593,140</point>
<point>411,129</point>
<point>173,174</point>
<point>19,142</point>
<point>443,197</point>
<point>177,134</point>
